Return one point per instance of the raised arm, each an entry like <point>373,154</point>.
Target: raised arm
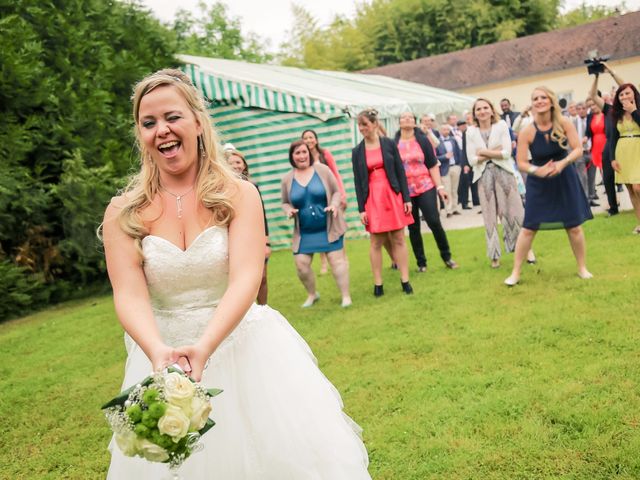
<point>593,93</point>
<point>615,76</point>
<point>130,293</point>
<point>246,259</point>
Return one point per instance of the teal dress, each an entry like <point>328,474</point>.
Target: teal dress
<point>311,200</point>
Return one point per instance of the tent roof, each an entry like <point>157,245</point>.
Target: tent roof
<point>325,94</point>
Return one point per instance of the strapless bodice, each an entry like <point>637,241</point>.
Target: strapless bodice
<point>185,279</point>
<point>185,286</point>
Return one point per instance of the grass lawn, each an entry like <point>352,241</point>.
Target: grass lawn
<point>466,379</point>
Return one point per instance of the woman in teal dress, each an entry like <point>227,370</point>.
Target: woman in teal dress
<point>310,194</point>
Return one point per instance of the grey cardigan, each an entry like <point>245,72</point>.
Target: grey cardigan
<point>336,226</point>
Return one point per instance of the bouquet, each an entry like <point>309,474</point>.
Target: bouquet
<point>161,418</point>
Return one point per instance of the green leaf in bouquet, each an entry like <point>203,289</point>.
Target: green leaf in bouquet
<point>124,395</point>
<point>214,391</point>
<point>207,426</point>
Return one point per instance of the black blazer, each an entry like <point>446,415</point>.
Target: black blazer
<point>392,166</point>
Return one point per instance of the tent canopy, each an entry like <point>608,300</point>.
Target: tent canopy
<point>324,94</point>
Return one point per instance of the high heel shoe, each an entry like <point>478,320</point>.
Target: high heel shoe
<point>378,290</point>
<point>407,288</point>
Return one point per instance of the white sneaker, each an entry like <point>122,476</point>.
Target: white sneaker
<point>310,301</point>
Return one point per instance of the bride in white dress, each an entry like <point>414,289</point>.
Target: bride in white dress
<point>184,250</point>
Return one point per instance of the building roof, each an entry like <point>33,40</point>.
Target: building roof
<point>523,57</point>
<point>324,94</point>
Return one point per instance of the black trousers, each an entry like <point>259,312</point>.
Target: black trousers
<point>427,203</point>
<point>466,183</point>
<point>608,178</point>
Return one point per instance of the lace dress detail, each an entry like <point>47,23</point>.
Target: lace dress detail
<point>279,417</point>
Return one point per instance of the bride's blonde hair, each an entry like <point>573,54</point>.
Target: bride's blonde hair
<point>214,181</point>
<point>557,131</point>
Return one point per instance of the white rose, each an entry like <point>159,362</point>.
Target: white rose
<point>127,443</point>
<point>174,423</point>
<point>152,452</point>
<point>178,389</point>
<point>200,409</point>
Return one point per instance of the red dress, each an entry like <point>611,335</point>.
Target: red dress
<point>598,139</point>
<point>384,207</point>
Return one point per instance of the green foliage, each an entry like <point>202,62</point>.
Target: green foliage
<point>390,31</point>
<point>587,13</point>
<point>65,130</point>
<point>214,33</point>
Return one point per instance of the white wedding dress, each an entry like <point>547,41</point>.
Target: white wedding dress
<point>279,418</point>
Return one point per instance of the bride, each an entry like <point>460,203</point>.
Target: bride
<point>184,251</point>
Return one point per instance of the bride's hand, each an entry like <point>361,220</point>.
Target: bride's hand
<point>164,356</point>
<point>197,356</point>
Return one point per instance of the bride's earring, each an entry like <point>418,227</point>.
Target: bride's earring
<point>201,151</point>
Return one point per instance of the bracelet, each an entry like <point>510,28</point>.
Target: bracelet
<point>440,187</point>
<point>532,169</point>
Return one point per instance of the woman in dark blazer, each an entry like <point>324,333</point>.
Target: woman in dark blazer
<point>383,197</point>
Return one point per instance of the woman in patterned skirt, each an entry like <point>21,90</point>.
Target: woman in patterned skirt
<point>489,153</point>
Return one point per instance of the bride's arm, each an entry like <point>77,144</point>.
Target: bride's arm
<point>246,260</point>
<point>130,294</point>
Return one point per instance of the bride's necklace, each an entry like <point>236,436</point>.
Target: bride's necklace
<point>178,198</point>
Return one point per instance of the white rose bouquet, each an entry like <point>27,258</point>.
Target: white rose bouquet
<point>161,418</point>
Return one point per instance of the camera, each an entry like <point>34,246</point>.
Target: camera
<point>594,63</point>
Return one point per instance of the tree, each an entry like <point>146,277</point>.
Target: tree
<point>214,33</point>
<point>390,31</point>
<point>585,14</point>
<point>67,72</point>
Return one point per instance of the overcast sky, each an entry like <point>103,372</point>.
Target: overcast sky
<point>270,19</point>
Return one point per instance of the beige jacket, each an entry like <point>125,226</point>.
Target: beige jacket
<point>336,226</point>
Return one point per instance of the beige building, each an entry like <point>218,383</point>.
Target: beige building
<point>513,68</point>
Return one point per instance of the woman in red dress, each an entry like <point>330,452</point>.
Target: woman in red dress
<point>595,131</point>
<point>383,197</point>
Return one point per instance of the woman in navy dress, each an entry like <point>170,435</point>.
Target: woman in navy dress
<point>310,194</point>
<point>554,199</point>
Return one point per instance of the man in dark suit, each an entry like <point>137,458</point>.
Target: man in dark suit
<point>466,177</point>
<point>451,161</point>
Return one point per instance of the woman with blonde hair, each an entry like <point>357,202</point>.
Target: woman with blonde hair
<point>555,198</point>
<point>184,247</point>
<point>489,154</point>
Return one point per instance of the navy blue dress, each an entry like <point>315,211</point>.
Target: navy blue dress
<point>554,202</point>
<point>311,201</point>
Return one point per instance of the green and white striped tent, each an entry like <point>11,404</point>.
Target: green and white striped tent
<point>261,109</point>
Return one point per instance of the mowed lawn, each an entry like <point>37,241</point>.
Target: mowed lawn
<point>466,379</point>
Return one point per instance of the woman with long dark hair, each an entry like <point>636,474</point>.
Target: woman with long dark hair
<point>625,143</point>
<point>555,198</point>
<point>383,197</point>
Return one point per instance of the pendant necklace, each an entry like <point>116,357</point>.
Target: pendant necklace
<point>178,198</point>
